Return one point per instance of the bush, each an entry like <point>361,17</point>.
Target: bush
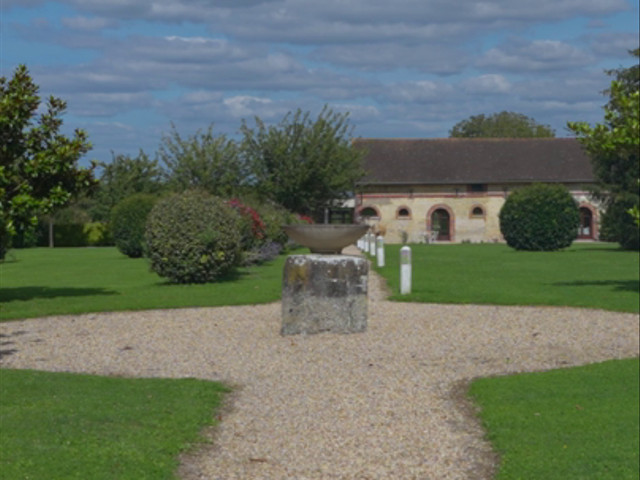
<point>619,226</point>
<point>98,234</point>
<point>540,217</point>
<point>193,237</point>
<point>128,220</point>
<point>251,225</point>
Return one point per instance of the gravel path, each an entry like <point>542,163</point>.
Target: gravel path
<point>383,404</point>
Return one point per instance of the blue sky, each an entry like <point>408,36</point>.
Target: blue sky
<point>402,68</point>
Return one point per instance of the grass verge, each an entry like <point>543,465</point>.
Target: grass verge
<point>58,425</point>
<point>591,275</point>
<point>41,281</point>
<point>570,424</point>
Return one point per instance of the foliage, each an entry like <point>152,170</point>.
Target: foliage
<point>122,177</point>
<point>614,148</point>
<point>569,424</point>
<point>193,237</point>
<point>252,228</point>
<point>539,217</point>
<point>500,125</point>
<point>62,425</point>
<point>302,164</point>
<point>586,275</point>
<point>98,234</point>
<point>128,221</point>
<point>38,165</point>
<point>202,161</point>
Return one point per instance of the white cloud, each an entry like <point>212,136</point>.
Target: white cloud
<point>487,84</point>
<point>88,23</point>
<point>538,55</point>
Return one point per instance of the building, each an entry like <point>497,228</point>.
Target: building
<point>452,190</point>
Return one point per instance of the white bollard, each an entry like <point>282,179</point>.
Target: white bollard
<point>405,270</point>
<point>380,251</point>
<point>365,243</point>
<point>372,244</point>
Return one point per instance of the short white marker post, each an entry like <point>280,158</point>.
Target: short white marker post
<point>372,244</point>
<point>380,251</point>
<point>365,243</point>
<point>405,270</point>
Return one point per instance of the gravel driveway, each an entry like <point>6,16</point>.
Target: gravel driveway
<point>384,404</point>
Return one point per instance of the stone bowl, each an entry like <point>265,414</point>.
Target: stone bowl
<point>325,239</point>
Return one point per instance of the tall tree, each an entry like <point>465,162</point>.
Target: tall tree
<point>39,169</point>
<point>303,164</point>
<point>500,125</point>
<point>122,177</point>
<point>614,147</point>
<point>203,161</point>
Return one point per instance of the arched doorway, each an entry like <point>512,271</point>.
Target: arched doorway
<point>441,222</point>
<point>586,231</point>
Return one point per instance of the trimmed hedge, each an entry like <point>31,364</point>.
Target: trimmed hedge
<point>193,237</point>
<point>128,220</point>
<point>540,217</point>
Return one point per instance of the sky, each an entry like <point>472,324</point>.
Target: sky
<point>129,69</point>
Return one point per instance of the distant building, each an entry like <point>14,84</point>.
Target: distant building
<point>452,190</point>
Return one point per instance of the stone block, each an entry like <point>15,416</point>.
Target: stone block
<point>324,293</point>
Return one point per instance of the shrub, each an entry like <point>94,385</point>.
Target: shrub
<point>251,225</point>
<point>193,237</point>
<point>128,220</point>
<point>98,234</point>
<point>539,217</point>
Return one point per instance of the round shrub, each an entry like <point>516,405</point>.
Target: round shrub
<point>128,220</point>
<point>540,217</point>
<point>193,237</point>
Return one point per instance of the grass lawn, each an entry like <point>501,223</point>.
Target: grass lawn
<point>571,424</point>
<point>42,281</point>
<point>592,275</point>
<point>58,425</point>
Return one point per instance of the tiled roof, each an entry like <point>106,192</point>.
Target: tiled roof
<point>477,160</point>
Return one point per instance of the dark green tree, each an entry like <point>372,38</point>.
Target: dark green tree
<point>122,177</point>
<point>39,169</point>
<point>202,161</point>
<point>501,125</point>
<point>614,147</point>
<point>303,164</point>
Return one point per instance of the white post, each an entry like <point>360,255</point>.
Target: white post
<point>365,243</point>
<point>372,244</point>
<point>380,250</point>
<point>405,270</point>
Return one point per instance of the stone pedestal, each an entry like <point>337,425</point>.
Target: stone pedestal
<point>324,293</point>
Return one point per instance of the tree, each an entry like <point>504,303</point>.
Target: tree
<point>202,161</point>
<point>122,177</point>
<point>38,165</point>
<point>614,150</point>
<point>302,164</point>
<point>501,125</point>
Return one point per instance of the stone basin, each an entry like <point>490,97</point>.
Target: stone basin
<point>326,239</point>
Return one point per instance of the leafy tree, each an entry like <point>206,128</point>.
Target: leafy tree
<point>614,150</point>
<point>302,164</point>
<point>202,161</point>
<point>38,165</point>
<point>501,125</point>
<point>122,177</point>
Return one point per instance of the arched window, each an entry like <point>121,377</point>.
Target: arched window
<point>403,213</point>
<point>477,212</point>
<point>369,212</point>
